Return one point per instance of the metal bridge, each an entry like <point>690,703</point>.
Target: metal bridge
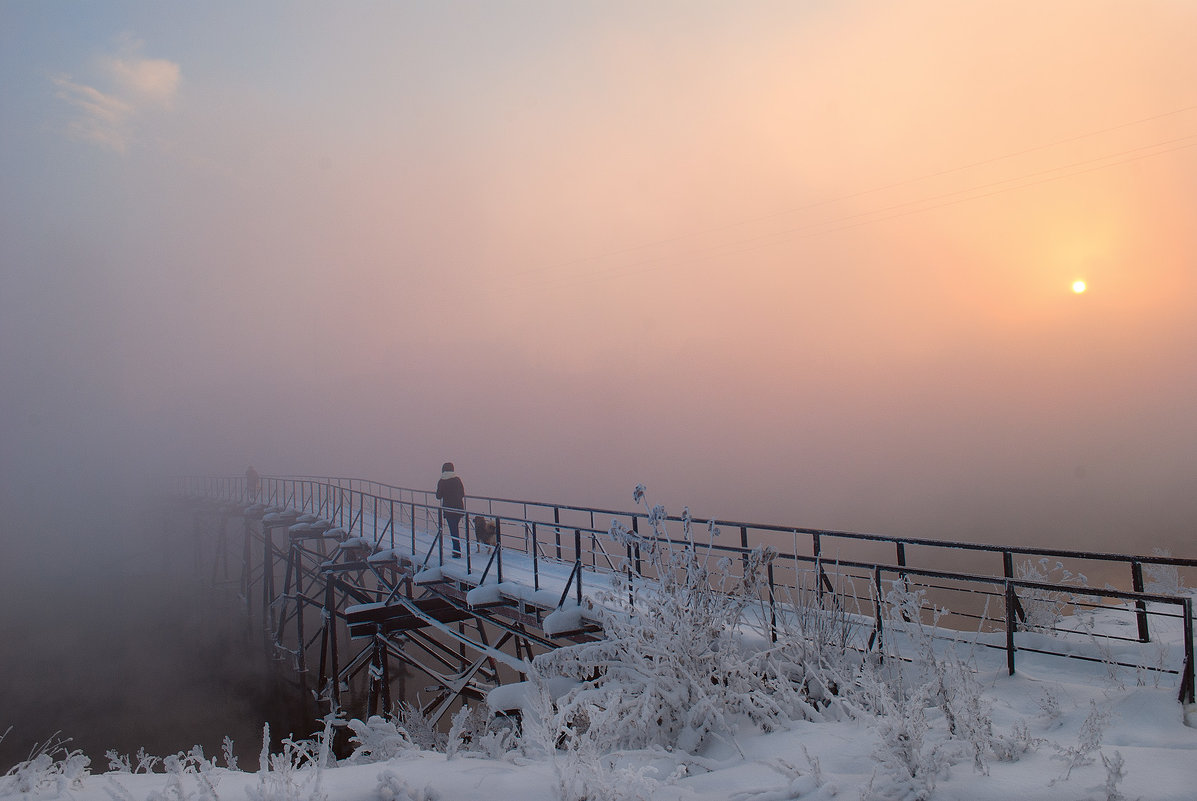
<point>348,578</point>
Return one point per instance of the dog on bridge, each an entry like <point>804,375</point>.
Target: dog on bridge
<point>485,531</point>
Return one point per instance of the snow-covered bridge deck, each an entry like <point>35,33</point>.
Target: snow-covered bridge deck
<point>333,559</point>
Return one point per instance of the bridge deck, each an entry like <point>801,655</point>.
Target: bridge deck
<point>378,568</point>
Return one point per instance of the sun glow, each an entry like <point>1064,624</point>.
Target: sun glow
<point>1078,287</point>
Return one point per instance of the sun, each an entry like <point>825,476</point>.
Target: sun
<point>1078,287</point>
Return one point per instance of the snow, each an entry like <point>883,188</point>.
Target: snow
<point>1049,699</point>
<point>519,695</point>
<point>1145,728</point>
<point>567,618</point>
<point>1067,728</point>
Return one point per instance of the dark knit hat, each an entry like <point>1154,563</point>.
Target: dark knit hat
<point>447,467</point>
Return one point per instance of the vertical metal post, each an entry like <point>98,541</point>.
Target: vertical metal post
<point>878,624</point>
<point>267,580</point>
<point>744,545</point>
<point>331,623</point>
<point>636,531</point>
<point>816,547</point>
<point>1140,607</point>
<point>301,660</point>
<point>1008,572</point>
<point>578,561</point>
<point>772,607</point>
<point>535,559</point>
<point>498,553</point>
<point>1189,679</point>
<point>1010,614</point>
<point>557,525</point>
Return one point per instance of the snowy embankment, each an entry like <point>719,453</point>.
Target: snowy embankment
<point>1080,731</point>
<point>1058,729</point>
<point>678,703</point>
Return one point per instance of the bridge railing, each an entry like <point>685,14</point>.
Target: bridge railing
<point>578,536</point>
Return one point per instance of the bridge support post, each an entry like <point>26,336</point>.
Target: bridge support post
<point>1011,605</point>
<point>1140,607</point>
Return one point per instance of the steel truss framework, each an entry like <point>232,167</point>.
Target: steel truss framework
<point>341,617</point>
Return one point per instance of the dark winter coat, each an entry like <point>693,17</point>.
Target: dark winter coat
<point>450,492</point>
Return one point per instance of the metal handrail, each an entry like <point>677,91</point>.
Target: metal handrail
<point>1154,559</point>
<point>307,489</point>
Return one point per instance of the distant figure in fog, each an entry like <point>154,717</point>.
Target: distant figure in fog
<point>252,482</point>
<point>451,493</point>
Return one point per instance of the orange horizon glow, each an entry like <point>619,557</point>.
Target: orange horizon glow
<point>794,261</point>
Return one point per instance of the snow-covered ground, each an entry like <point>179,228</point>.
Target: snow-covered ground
<point>1061,729</point>
<point>944,721</point>
<point>822,760</point>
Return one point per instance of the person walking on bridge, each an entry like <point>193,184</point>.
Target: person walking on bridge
<point>451,493</point>
<point>252,482</point>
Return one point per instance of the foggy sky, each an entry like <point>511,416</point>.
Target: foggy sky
<point>787,262</point>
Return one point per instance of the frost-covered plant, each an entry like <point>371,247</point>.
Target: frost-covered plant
<point>419,727</point>
<point>1049,707</point>
<point>294,774</point>
<point>392,788</point>
<point>910,762</point>
<point>821,619</point>
<point>1044,609</point>
<point>586,775</point>
<point>817,646</point>
<point>798,782</point>
<point>226,750</point>
<point>1088,741</point>
<point>188,764</point>
<point>41,775</point>
<point>947,681</point>
<point>1010,747</point>
<point>1101,644</point>
<point>377,740</point>
<point>1163,579</point>
<point>1115,773</point>
<point>122,763</point>
<point>475,731</point>
<point>672,669</point>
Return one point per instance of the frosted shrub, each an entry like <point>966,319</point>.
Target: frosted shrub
<point>910,763</point>
<point>1049,708</point>
<point>1162,579</point>
<point>588,776</point>
<point>944,679</point>
<point>43,776</point>
<point>377,740</point>
<point>1044,609</point>
<point>1010,747</point>
<point>183,766</point>
<point>422,731</point>
<point>799,782</point>
<point>475,731</point>
<point>296,772</point>
<point>672,669</point>
<point>226,750</point>
<point>1115,773</point>
<point>1088,741</point>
